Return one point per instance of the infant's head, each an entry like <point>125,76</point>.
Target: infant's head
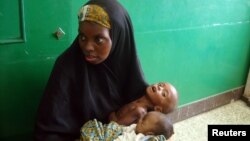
<point>155,123</point>
<point>163,96</point>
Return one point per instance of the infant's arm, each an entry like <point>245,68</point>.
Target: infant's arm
<point>129,118</point>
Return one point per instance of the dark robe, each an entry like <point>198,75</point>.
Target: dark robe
<point>78,91</point>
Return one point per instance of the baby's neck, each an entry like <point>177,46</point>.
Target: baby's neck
<point>145,102</point>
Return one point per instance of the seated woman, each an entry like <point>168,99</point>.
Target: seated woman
<point>154,126</point>
<point>160,97</point>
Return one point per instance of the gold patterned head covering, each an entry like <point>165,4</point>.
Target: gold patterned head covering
<point>94,13</point>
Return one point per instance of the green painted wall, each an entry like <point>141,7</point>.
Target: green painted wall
<point>25,67</point>
<point>201,46</point>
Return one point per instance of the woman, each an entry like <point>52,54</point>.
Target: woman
<point>96,75</point>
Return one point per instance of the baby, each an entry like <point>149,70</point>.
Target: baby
<point>161,97</point>
<point>153,126</point>
<point>155,123</point>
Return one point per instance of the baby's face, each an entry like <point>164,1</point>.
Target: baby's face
<point>147,124</point>
<point>164,95</point>
<point>155,123</point>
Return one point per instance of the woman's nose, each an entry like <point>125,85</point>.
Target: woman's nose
<point>89,46</point>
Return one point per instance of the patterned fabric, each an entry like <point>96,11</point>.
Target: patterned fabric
<point>157,138</point>
<point>94,13</point>
<point>94,130</point>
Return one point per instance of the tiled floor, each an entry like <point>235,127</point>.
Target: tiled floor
<point>195,128</point>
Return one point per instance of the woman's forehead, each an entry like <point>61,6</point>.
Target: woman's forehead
<point>88,27</point>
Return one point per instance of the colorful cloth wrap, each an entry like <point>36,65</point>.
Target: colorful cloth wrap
<point>94,130</point>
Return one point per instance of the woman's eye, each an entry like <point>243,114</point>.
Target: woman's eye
<point>82,38</point>
<point>99,40</point>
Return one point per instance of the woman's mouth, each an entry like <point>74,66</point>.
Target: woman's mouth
<point>90,58</point>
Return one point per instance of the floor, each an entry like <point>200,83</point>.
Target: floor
<point>195,128</point>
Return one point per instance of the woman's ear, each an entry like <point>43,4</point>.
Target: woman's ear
<point>158,108</point>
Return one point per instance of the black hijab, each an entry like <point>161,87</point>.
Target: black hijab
<point>78,91</point>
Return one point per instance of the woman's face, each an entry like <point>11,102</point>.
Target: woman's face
<point>94,41</point>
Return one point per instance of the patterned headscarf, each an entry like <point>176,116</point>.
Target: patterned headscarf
<point>94,13</point>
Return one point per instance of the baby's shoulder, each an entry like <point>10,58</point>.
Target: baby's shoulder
<point>141,111</point>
